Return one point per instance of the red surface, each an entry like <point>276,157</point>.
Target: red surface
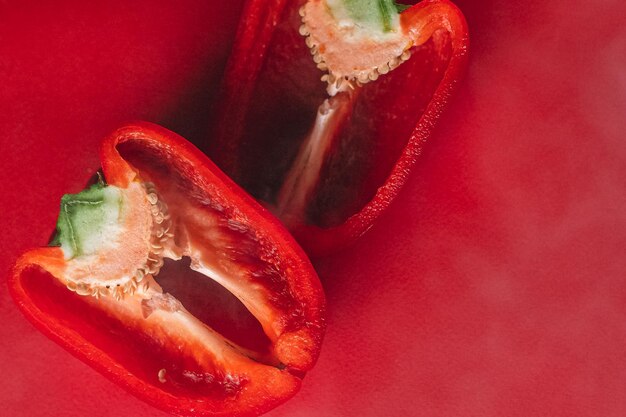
<point>495,284</point>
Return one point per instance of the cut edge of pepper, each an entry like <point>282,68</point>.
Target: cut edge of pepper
<point>53,256</point>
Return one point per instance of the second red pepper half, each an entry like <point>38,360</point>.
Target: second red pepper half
<point>119,295</point>
<point>271,93</point>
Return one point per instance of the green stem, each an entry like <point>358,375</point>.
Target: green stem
<point>384,6</point>
<point>84,218</point>
<point>372,13</point>
<point>401,7</point>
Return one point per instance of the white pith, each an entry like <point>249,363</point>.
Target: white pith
<point>350,52</point>
<point>168,321</point>
<point>303,175</point>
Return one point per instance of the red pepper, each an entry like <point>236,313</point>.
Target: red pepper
<point>272,93</point>
<point>107,297</point>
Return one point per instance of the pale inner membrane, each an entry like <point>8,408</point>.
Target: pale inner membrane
<point>122,262</point>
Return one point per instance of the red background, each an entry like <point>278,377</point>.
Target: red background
<point>494,286</point>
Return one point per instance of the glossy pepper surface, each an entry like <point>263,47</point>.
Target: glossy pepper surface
<point>129,290</point>
<point>329,157</point>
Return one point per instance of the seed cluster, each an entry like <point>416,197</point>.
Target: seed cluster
<point>341,82</point>
<point>160,234</point>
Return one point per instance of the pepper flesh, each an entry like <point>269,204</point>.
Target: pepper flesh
<point>141,336</point>
<point>270,98</point>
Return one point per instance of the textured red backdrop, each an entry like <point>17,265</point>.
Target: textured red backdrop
<point>494,286</point>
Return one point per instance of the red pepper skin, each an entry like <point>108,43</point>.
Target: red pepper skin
<point>94,338</point>
<point>263,46</point>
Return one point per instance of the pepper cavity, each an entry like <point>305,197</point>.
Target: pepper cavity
<point>355,41</point>
<point>96,223</point>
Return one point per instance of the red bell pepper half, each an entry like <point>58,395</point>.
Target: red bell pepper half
<point>329,157</point>
<point>130,288</point>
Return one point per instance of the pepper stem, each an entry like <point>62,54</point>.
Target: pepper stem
<point>84,218</point>
<point>374,14</point>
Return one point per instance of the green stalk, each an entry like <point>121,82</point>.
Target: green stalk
<point>85,217</point>
<point>374,13</point>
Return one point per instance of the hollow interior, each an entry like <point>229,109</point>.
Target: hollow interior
<point>282,112</point>
<point>212,304</point>
<point>231,247</point>
<point>73,317</point>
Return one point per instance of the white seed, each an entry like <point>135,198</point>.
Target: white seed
<point>152,198</point>
<point>363,78</point>
<point>161,376</point>
<point>139,274</point>
<point>83,289</point>
<point>162,207</point>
